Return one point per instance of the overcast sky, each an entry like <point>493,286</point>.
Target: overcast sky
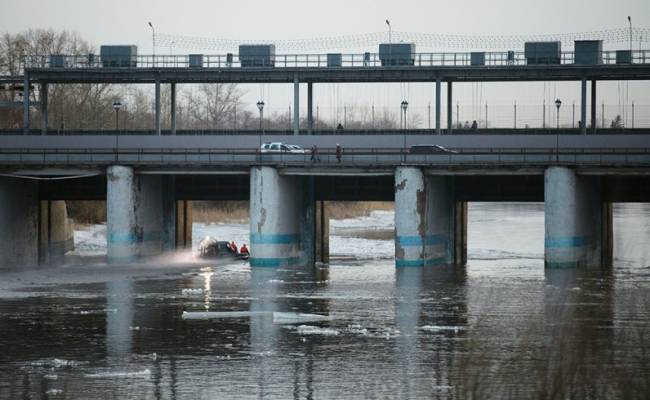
<point>125,22</point>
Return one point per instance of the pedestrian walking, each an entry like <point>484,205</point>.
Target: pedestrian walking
<point>339,152</point>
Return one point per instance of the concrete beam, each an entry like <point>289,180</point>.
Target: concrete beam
<point>44,115</point>
<point>184,219</point>
<point>450,108</point>
<point>583,106</point>
<point>26,97</point>
<point>157,108</point>
<point>310,106</point>
<point>424,219</point>
<point>573,219</point>
<point>438,106</point>
<point>18,222</point>
<point>593,105</point>
<point>173,108</point>
<point>296,105</point>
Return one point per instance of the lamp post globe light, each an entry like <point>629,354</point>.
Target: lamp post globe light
<point>558,103</point>
<point>153,36</point>
<point>404,106</point>
<point>260,106</point>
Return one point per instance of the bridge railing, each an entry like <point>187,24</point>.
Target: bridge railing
<point>435,59</point>
<point>324,132</point>
<point>350,157</point>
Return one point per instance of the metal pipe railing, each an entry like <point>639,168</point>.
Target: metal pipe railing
<point>434,59</point>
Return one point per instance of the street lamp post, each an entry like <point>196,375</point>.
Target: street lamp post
<point>116,106</point>
<point>404,106</point>
<point>153,36</point>
<point>558,103</point>
<point>390,47</point>
<point>260,106</point>
<point>629,19</point>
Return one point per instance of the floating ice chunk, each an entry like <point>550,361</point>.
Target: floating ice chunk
<point>296,318</point>
<point>119,374</point>
<point>223,314</point>
<point>435,328</point>
<point>134,328</point>
<point>55,363</point>
<point>192,291</point>
<point>54,392</point>
<point>51,377</point>
<point>315,330</point>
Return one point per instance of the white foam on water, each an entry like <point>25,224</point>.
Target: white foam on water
<point>54,392</point>
<point>145,374</point>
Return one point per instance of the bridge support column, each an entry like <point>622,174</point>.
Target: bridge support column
<point>282,219</point>
<point>26,103</point>
<point>44,116</point>
<point>583,106</point>
<point>577,223</point>
<point>172,108</point>
<point>438,106</point>
<point>18,222</point>
<point>310,104</point>
<point>322,233</point>
<point>157,108</point>
<point>424,219</point>
<point>184,220</point>
<point>134,205</point>
<point>56,235</point>
<point>593,106</point>
<point>296,105</point>
<point>460,233</point>
<point>450,118</point>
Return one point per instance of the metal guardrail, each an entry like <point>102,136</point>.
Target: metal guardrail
<point>363,157</point>
<point>438,59</point>
<point>328,132</point>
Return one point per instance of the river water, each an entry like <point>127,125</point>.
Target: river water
<point>502,327</point>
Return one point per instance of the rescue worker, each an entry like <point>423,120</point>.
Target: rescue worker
<point>233,247</point>
<point>244,249</point>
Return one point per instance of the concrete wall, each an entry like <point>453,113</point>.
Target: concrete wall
<point>574,220</point>
<point>18,222</point>
<point>424,219</point>
<point>347,141</point>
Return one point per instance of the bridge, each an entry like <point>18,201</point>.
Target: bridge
<point>149,178</point>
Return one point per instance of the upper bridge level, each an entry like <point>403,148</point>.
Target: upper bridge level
<point>319,68</point>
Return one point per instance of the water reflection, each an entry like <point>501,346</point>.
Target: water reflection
<point>119,320</point>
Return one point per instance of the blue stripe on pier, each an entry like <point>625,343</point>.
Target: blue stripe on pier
<point>421,262</point>
<point>259,238</point>
<point>274,262</point>
<point>567,242</point>
<point>428,240</point>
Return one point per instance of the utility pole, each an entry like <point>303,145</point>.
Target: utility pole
<point>515,115</point>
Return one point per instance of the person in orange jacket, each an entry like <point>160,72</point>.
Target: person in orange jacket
<point>244,249</point>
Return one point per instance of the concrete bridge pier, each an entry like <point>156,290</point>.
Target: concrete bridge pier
<point>578,224</point>
<point>18,222</point>
<point>135,214</point>
<point>284,220</point>
<point>56,233</point>
<point>428,222</point>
